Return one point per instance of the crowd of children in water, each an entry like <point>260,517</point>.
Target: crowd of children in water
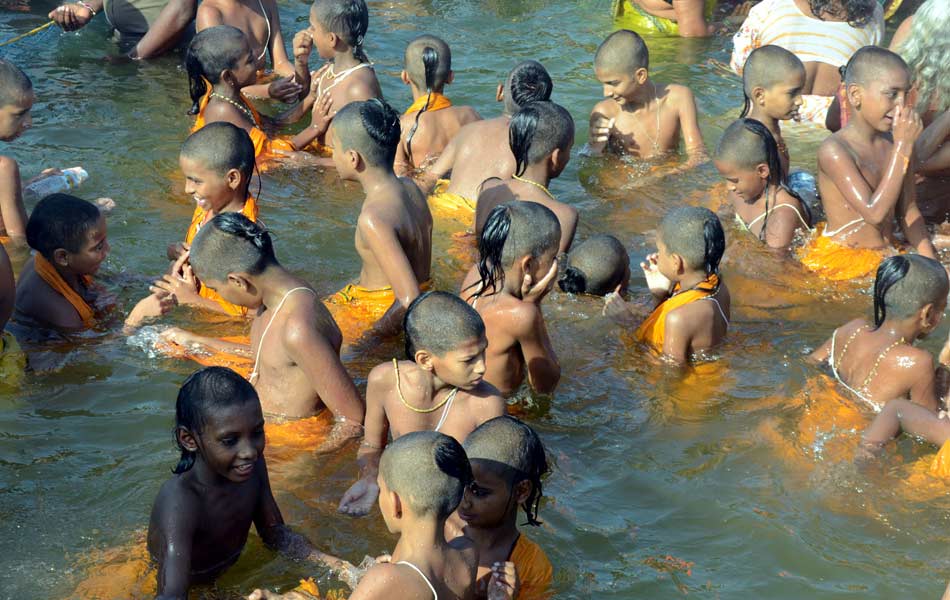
<point>447,466</point>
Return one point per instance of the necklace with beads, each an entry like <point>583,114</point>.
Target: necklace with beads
<point>535,184</point>
<point>247,112</point>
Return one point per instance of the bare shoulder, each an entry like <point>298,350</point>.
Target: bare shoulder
<point>522,317</point>
<point>691,317</point>
<point>8,167</point>
<point>381,579</point>
<point>380,377</point>
<point>176,502</point>
<point>487,402</point>
<point>834,149</point>
<point>677,95</point>
<point>209,13</point>
<point>36,299</point>
<point>224,111</point>
<point>362,85</point>
<point>466,114</point>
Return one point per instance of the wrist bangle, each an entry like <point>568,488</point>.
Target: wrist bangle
<point>87,6</point>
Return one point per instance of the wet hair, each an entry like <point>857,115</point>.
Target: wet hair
<point>513,451</point>
<point>231,243</point>
<point>221,147</point>
<point>928,55</point>
<point>870,64</point>
<point>623,51</point>
<point>513,230</point>
<point>205,391</point>
<point>695,234</point>
<point>14,83</point>
<point>429,471</point>
<point>210,52</point>
<point>371,127</point>
<point>906,283</point>
<point>595,266</point>
<point>747,143</point>
<point>348,19</point>
<point>766,67</point>
<point>440,322</point>
<point>60,221</point>
<point>428,64</point>
<point>537,130</point>
<point>528,82</point>
<point>857,13</point>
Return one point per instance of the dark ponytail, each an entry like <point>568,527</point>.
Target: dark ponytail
<point>715,242</point>
<point>197,83</point>
<point>430,63</point>
<point>891,270</point>
<point>521,132</point>
<point>491,245</point>
<point>573,281</point>
<point>536,461</point>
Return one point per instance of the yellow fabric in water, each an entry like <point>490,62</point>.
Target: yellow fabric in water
<point>356,309</point>
<point>628,15</point>
<point>452,206</point>
<point>941,463</point>
<point>653,330</point>
<point>837,262</point>
<point>12,360</point>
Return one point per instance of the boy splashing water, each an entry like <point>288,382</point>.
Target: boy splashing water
<point>431,121</point>
<point>692,310</point>
<point>540,136</point>
<point>439,388</point>
<point>394,228</point>
<point>639,116</point>
<point>864,173</point>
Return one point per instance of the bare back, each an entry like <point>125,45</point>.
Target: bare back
<point>496,192</point>
<point>435,130</point>
<point>481,151</point>
<point>245,15</point>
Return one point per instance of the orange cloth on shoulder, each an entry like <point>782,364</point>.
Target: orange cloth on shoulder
<point>941,463</point>
<point>356,309</point>
<point>534,569</point>
<point>206,357</point>
<point>51,276</point>
<point>436,102</point>
<point>197,220</point>
<point>838,262</point>
<point>653,330</point>
<point>263,145</point>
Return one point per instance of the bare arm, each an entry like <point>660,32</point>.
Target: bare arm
<point>359,499</point>
<point>600,125</point>
<point>187,338</point>
<point>382,240</point>
<point>12,211</point>
<point>903,415</point>
<point>923,378</point>
<point>278,52</point>
<point>689,124</point>
<point>678,337</point>
<point>166,30</point>
<point>544,370</point>
<point>690,18</point>
<point>781,227</point>
<point>440,168</point>
<point>177,523</point>
<point>911,221</point>
<point>821,354</point>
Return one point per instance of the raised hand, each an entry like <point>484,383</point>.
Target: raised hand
<point>535,292</point>
<point>658,284</point>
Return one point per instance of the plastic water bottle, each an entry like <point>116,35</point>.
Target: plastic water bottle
<point>67,179</point>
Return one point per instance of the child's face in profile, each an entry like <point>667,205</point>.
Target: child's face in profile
<point>882,96</point>
<point>210,190</point>
<point>618,86</point>
<point>232,440</point>
<point>748,184</point>
<point>245,71</point>
<point>464,366</point>
<point>321,38</point>
<point>664,261</point>
<point>782,100</point>
<point>487,499</point>
<point>93,252</point>
<point>15,118</point>
<point>229,289</point>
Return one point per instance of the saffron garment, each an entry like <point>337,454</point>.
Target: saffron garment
<point>837,262</point>
<point>653,330</point>
<point>534,569</point>
<point>264,147</point>
<point>356,309</point>
<point>51,276</point>
<point>435,100</point>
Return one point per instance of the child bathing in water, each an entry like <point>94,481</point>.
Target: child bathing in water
<point>508,462</point>
<point>440,387</point>
<point>517,265</point>
<point>681,274</point>
<point>639,116</point>
<point>220,63</point>
<point>879,362</point>
<point>772,83</point>
<point>750,161</point>
<point>12,358</point>
<point>202,515</point>
<point>597,266</point>
<point>540,135</point>
<point>294,342</point>
<point>431,121</point>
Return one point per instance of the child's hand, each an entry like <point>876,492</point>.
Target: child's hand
<point>181,281</point>
<point>359,499</point>
<point>303,46</point>
<point>535,292</point>
<point>907,126</point>
<point>658,284</point>
<point>286,90</point>
<point>321,113</point>
<point>178,336</point>
<point>504,584</point>
<point>105,205</point>
<point>617,309</point>
<point>71,16</point>
<point>175,251</point>
<point>600,130</point>
<point>155,305</point>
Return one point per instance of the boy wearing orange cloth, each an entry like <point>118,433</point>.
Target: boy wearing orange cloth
<point>508,462</point>
<point>440,387</point>
<point>693,304</point>
<point>865,174</point>
<point>431,121</point>
<point>218,163</point>
<point>639,116</point>
<point>394,228</point>
<point>294,343</point>
<point>480,150</point>
<point>56,289</point>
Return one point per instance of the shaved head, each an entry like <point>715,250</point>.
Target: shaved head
<point>231,243</point>
<point>870,64</point>
<point>14,84</point>
<point>440,322</point>
<point>622,52</point>
<point>428,62</point>
<point>906,283</point>
<point>428,470</point>
<point>695,234</point>
<point>221,147</point>
<point>768,66</point>
<point>371,128</point>
<point>595,266</point>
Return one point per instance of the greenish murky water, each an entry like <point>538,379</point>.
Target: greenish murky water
<point>664,484</point>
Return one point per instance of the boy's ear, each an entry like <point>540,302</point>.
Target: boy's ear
<point>758,95</point>
<point>679,263</point>
<point>641,75</point>
<point>855,94</point>
<point>396,504</point>
<point>355,159</point>
<point>226,75</point>
<point>522,491</point>
<point>500,93</point>
<point>234,178</point>
<point>61,257</point>
<point>929,316</point>
<point>763,170</point>
<point>423,358</point>
<point>405,77</point>
<point>186,439</point>
<point>239,280</point>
